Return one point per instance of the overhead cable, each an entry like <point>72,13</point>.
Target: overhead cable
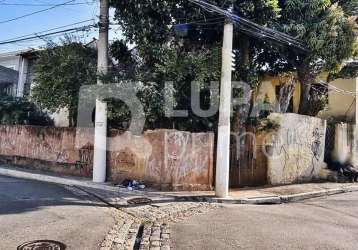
<point>36,12</point>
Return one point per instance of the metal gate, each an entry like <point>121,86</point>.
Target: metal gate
<point>248,164</point>
<point>329,142</point>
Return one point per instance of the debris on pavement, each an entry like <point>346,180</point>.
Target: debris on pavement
<point>132,184</point>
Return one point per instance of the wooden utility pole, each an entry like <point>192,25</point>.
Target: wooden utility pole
<point>100,137</point>
<point>223,144</point>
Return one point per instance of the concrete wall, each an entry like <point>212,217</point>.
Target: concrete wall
<point>296,150</point>
<point>346,144</point>
<point>165,158</point>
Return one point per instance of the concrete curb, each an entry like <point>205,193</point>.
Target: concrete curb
<point>72,181</point>
<point>51,179</point>
<point>262,200</point>
<point>69,181</point>
<point>279,199</point>
<point>316,194</point>
<point>266,200</point>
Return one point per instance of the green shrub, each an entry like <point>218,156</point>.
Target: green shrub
<point>19,111</point>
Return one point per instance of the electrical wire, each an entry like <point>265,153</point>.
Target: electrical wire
<point>337,89</point>
<point>40,32</point>
<point>40,4</point>
<point>255,30</point>
<point>36,12</point>
<point>202,21</point>
<point>252,29</point>
<point>350,107</point>
<point>83,28</point>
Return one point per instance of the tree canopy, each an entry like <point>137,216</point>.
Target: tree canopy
<point>180,42</point>
<point>328,27</point>
<point>330,32</point>
<point>60,71</point>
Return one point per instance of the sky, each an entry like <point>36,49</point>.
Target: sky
<point>56,17</point>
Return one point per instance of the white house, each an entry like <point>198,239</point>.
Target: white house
<point>16,79</point>
<point>22,63</point>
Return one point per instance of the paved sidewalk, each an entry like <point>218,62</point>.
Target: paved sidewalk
<point>119,197</point>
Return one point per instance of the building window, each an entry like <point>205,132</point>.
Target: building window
<point>6,89</point>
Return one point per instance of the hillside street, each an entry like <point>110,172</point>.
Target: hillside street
<point>31,210</point>
<point>322,223</point>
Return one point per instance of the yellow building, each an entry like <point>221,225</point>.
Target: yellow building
<point>269,89</point>
<point>342,103</point>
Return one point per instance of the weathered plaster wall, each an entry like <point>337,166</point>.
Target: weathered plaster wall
<point>353,144</point>
<point>173,159</point>
<point>167,158</point>
<point>48,144</point>
<point>346,144</point>
<point>296,150</point>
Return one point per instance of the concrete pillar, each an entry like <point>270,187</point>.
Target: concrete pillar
<point>22,77</point>
<point>100,145</point>
<point>223,144</point>
<point>356,98</point>
<point>341,152</point>
<point>100,137</point>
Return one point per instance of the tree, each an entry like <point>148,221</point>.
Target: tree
<point>59,73</point>
<point>330,31</point>
<point>287,87</point>
<point>327,27</point>
<point>177,40</point>
<point>184,69</point>
<point>151,25</point>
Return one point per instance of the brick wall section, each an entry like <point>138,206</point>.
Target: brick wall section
<point>167,158</point>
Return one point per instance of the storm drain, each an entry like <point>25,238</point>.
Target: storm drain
<point>139,201</point>
<point>42,245</point>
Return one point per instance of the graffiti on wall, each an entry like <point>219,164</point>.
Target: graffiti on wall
<point>34,143</point>
<point>187,157</point>
<point>165,157</point>
<point>296,149</point>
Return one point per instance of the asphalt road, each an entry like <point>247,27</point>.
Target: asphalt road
<point>32,210</point>
<point>326,223</point>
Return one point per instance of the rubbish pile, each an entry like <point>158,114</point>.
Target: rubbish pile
<point>347,171</point>
<point>132,184</point>
<point>350,172</point>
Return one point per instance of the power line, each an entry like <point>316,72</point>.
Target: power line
<point>350,107</point>
<point>206,21</point>
<point>36,12</point>
<point>43,4</point>
<point>253,29</point>
<point>337,89</point>
<point>83,28</point>
<point>40,32</point>
<point>198,20</point>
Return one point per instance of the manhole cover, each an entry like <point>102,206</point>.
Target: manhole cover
<point>136,201</point>
<point>42,245</point>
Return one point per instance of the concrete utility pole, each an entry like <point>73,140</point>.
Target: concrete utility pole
<point>223,144</point>
<point>100,136</point>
